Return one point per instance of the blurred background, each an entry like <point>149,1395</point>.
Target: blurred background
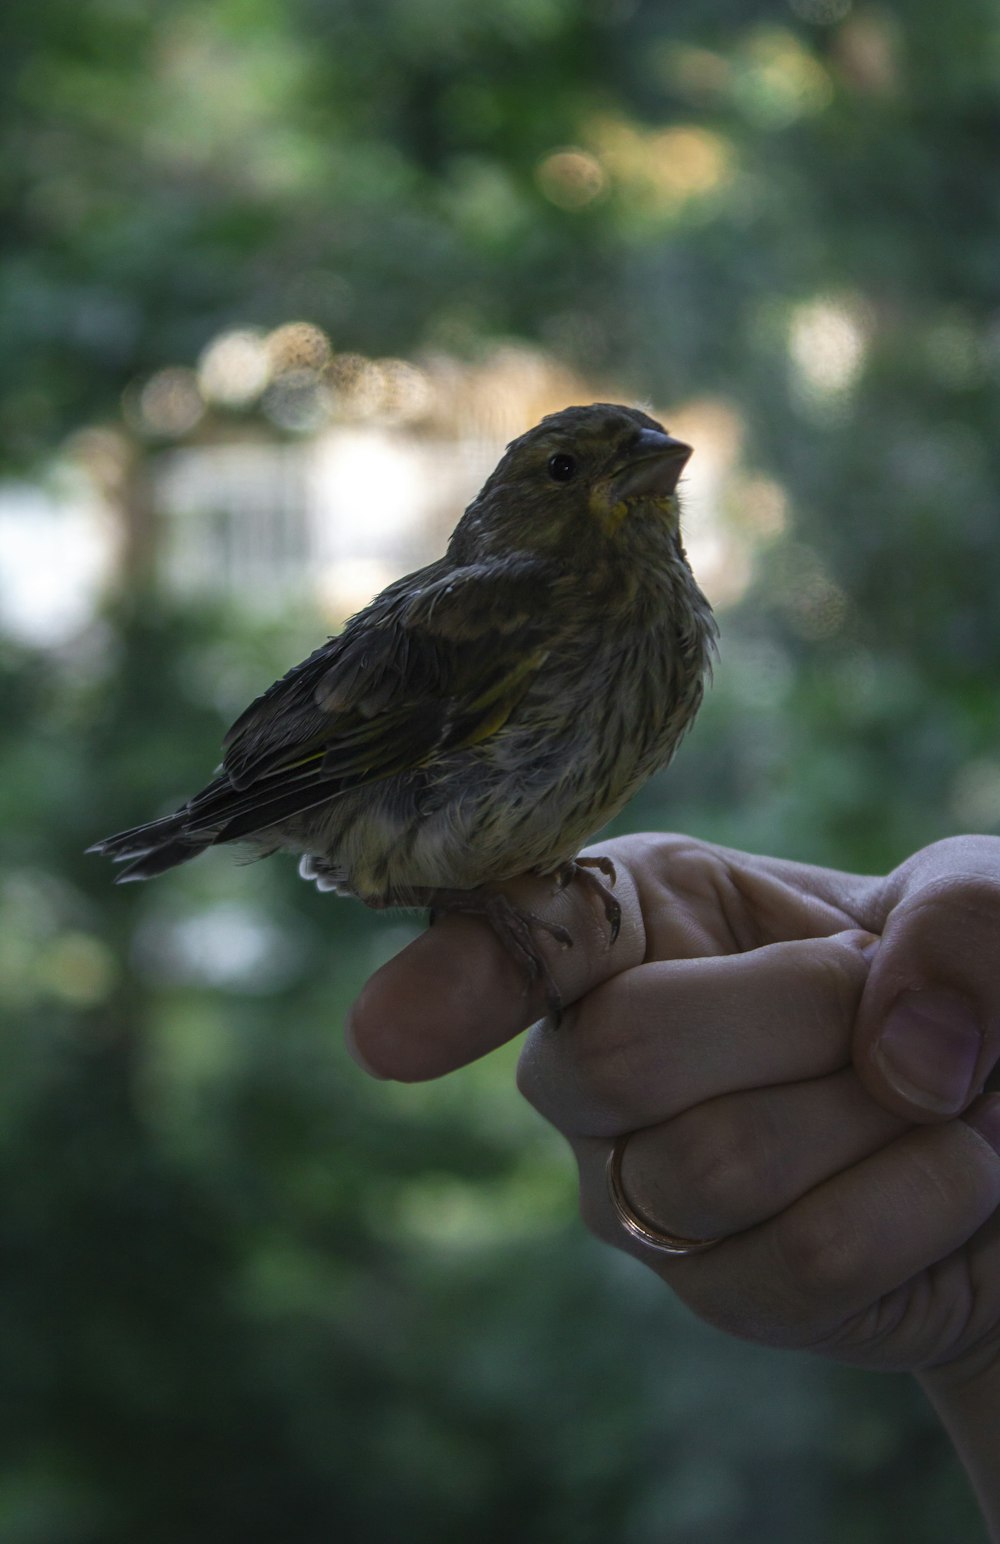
<point>278,278</point>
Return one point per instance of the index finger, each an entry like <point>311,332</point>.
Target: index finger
<point>455,993</point>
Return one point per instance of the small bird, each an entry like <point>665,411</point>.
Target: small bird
<point>482,717</point>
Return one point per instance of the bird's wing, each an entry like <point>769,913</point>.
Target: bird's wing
<point>430,667</point>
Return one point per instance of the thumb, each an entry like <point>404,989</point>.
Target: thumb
<point>928,1028</point>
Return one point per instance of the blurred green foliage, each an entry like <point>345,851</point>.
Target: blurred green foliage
<point>247,1294</point>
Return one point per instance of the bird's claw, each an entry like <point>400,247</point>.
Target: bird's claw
<point>583,870</point>
<point>602,862</point>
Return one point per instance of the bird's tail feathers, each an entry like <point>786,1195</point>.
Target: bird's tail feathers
<point>151,849</point>
<point>148,864</point>
<point>220,813</point>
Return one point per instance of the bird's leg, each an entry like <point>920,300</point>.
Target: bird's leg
<point>513,925</point>
<point>582,869</point>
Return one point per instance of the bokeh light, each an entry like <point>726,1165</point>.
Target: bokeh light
<point>827,343</point>
<point>663,170</point>
<point>778,79</point>
<point>167,406</point>
<point>571,178</point>
<point>235,367</point>
<point>297,347</point>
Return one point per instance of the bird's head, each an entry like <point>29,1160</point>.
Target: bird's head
<point>584,479</point>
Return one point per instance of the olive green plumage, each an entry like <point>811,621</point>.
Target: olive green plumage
<point>482,717</point>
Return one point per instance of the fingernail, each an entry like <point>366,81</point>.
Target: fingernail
<point>984,1116</point>
<point>929,1049</point>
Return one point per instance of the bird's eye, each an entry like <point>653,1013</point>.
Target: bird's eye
<point>561,467</point>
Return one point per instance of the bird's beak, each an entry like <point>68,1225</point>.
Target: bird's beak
<point>654,466</point>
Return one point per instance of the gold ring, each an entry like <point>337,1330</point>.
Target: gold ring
<point>637,1226</point>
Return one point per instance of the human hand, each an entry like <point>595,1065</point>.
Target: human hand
<point>751,1025</point>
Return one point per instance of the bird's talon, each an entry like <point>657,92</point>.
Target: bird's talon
<point>583,869</point>
<point>554,1003</point>
<point>605,864</point>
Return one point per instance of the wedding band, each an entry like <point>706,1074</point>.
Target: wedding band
<point>634,1223</point>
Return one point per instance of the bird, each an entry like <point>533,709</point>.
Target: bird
<point>483,717</point>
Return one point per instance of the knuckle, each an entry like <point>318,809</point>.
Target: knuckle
<point>685,865</point>
<point>676,846</point>
<point>580,1082</point>
<point>960,893</point>
<point>605,1078</point>
<point>660,843</point>
<point>603,1070</point>
<point>717,1163</point>
<point>959,854</point>
<point>696,871</point>
<point>821,1253</point>
<point>587,1076</point>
